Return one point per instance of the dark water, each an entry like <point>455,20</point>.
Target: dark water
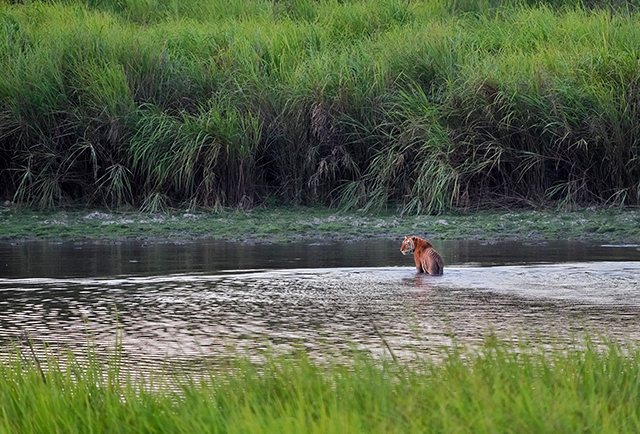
<point>203,300</point>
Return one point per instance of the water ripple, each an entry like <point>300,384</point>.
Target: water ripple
<point>197,316</point>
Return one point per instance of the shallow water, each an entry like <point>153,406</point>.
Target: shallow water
<point>202,301</point>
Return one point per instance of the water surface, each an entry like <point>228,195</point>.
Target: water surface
<point>202,301</point>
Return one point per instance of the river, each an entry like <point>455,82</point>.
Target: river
<point>202,301</point>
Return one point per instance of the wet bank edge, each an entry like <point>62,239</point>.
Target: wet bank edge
<point>282,225</point>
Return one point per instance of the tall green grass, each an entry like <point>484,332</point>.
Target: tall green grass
<point>499,388</point>
<point>421,105</point>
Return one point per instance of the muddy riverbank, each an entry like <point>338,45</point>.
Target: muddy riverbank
<point>620,225</point>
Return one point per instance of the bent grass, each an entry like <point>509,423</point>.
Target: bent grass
<point>501,387</point>
<point>418,105</point>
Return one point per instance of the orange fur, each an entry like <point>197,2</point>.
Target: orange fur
<point>427,259</point>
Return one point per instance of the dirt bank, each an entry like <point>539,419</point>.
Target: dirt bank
<point>297,224</point>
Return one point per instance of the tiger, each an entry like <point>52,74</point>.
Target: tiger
<point>427,259</point>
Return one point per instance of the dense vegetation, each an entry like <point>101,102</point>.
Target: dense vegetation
<point>425,105</point>
<point>502,388</point>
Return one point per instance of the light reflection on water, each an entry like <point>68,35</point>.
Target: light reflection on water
<point>181,304</point>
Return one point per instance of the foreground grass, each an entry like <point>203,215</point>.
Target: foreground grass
<point>500,388</point>
<point>295,224</point>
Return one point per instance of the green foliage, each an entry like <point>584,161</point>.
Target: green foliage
<point>501,387</point>
<point>420,105</point>
<point>209,155</point>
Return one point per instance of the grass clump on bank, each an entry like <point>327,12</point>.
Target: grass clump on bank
<point>500,388</point>
<point>421,105</point>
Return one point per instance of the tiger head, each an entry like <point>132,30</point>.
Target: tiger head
<point>408,245</point>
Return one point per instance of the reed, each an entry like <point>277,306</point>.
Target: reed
<point>501,387</point>
<point>417,105</point>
